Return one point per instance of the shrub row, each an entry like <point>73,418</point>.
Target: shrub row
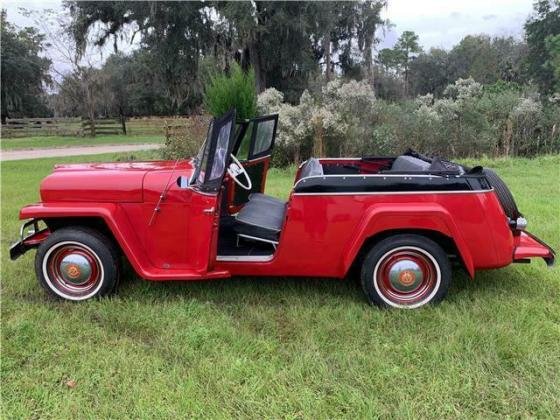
<point>345,119</point>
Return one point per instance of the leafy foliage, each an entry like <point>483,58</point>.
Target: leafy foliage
<point>183,141</point>
<point>236,90</point>
<point>24,71</point>
<point>345,119</point>
<point>284,42</point>
<point>543,54</point>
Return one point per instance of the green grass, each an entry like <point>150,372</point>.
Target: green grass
<point>43,142</point>
<point>280,347</point>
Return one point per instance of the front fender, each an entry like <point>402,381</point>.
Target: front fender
<point>413,216</point>
<point>111,213</point>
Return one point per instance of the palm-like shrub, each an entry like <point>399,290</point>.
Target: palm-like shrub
<point>235,90</point>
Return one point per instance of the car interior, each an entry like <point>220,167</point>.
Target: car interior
<point>251,222</point>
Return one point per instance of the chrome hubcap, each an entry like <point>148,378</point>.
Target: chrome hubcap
<point>75,269</point>
<point>406,275</point>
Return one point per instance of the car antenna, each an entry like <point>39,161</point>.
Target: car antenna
<point>157,208</point>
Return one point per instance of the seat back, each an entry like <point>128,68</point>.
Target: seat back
<point>311,168</point>
<point>406,163</point>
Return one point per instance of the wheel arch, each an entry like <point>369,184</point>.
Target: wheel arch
<point>433,222</point>
<point>447,243</point>
<point>104,217</point>
<point>96,223</point>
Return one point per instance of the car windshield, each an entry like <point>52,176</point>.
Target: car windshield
<point>202,157</point>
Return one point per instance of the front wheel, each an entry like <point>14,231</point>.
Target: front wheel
<point>405,271</point>
<point>77,264</point>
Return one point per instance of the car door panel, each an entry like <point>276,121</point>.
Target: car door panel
<point>260,133</point>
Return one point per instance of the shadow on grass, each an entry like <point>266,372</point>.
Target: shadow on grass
<point>282,290</point>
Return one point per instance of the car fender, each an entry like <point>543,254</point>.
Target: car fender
<point>380,218</point>
<point>112,215</point>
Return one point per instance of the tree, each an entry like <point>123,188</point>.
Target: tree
<point>474,57</point>
<point>368,21</point>
<point>286,43</point>
<point>175,36</point>
<point>553,48</point>
<point>276,39</point>
<point>24,71</point>
<point>429,72</point>
<point>543,25</point>
<point>236,90</point>
<point>396,61</point>
<point>390,59</point>
<point>406,48</point>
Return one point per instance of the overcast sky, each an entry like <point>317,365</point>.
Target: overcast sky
<point>439,23</point>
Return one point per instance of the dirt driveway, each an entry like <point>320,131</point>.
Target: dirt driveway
<point>73,151</point>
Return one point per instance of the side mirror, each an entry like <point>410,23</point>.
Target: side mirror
<point>183,182</point>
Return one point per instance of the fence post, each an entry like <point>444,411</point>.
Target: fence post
<point>123,124</point>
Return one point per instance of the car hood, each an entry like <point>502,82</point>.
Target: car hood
<point>107,182</point>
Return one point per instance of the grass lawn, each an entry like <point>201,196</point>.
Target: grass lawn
<point>43,142</point>
<point>279,347</point>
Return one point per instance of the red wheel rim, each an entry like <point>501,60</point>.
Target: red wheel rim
<point>73,270</point>
<point>407,277</point>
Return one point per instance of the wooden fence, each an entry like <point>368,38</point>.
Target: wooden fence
<point>104,126</point>
<point>31,127</point>
<point>153,125</point>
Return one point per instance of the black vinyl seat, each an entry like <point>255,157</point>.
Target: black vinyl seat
<point>266,198</point>
<point>406,163</point>
<point>262,217</point>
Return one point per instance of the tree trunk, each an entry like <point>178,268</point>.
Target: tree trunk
<point>406,80</point>
<point>318,137</point>
<point>255,57</point>
<point>254,47</point>
<point>368,57</point>
<point>123,120</point>
<point>327,48</point>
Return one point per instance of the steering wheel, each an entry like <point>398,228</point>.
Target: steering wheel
<point>235,169</point>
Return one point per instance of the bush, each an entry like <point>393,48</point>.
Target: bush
<point>236,90</point>
<point>345,119</point>
<point>184,140</point>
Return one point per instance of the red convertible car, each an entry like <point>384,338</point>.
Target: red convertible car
<point>403,221</point>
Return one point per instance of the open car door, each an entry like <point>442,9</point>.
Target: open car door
<point>253,148</point>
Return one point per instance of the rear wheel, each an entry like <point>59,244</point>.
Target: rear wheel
<point>405,271</point>
<point>77,264</point>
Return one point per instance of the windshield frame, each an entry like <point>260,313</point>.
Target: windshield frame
<point>205,158</point>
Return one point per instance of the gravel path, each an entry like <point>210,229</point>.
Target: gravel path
<point>73,151</point>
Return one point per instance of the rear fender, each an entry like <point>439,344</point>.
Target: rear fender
<point>414,216</point>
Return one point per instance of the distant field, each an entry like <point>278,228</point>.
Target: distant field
<point>41,142</point>
<point>285,347</point>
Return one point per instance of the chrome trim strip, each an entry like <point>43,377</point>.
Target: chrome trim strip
<point>399,192</point>
<point>257,239</point>
<point>245,258</point>
<point>348,158</point>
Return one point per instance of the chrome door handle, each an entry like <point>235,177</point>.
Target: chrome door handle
<point>208,211</point>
